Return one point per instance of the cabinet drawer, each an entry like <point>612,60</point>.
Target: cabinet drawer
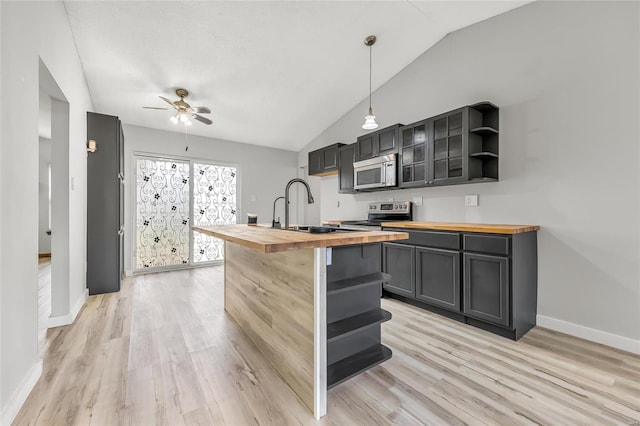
<point>446,240</point>
<point>494,244</point>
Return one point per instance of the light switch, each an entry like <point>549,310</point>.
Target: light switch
<point>471,200</point>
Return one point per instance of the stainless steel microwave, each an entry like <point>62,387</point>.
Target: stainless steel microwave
<point>376,172</point>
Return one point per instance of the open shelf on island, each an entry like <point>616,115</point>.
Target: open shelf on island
<point>347,326</point>
<point>356,364</point>
<point>334,287</point>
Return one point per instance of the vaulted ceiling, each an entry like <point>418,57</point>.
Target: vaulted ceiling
<point>274,73</point>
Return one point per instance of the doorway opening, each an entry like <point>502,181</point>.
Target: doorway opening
<point>53,205</point>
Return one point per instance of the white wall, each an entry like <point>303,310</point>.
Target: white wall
<point>263,172</point>
<point>566,76</point>
<point>44,240</point>
<point>30,30</point>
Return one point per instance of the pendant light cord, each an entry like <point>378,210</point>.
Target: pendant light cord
<point>186,139</point>
<point>370,52</point>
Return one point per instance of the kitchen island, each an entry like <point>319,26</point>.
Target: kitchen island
<point>309,302</point>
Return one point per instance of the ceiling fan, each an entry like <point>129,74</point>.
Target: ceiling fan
<point>184,111</point>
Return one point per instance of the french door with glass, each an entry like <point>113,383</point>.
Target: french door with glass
<point>171,195</point>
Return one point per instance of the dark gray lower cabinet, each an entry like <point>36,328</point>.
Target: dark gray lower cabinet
<point>486,280</point>
<point>398,260</point>
<point>486,288</point>
<point>438,277</point>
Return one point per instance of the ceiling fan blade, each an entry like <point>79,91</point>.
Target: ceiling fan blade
<point>167,101</point>
<point>163,109</point>
<point>202,119</point>
<point>201,110</point>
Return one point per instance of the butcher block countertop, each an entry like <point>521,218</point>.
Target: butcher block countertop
<point>464,227</point>
<point>268,240</point>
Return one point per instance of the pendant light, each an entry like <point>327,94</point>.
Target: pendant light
<point>370,119</point>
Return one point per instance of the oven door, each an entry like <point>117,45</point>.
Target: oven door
<point>371,176</point>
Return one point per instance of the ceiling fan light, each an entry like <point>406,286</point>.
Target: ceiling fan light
<point>184,117</point>
<point>370,122</point>
<point>174,119</point>
<point>187,122</point>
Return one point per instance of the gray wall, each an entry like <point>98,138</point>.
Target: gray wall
<point>43,32</point>
<point>44,240</point>
<point>263,172</point>
<point>566,76</point>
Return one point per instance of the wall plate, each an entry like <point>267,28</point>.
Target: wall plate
<point>471,200</point>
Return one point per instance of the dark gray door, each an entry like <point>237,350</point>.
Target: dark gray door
<point>399,261</point>
<point>315,162</point>
<point>486,288</point>
<point>366,147</point>
<point>388,141</point>
<point>103,204</point>
<point>330,158</point>
<point>438,277</point>
<point>346,157</point>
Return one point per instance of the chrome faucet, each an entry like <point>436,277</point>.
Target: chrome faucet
<point>275,224</point>
<point>286,198</point>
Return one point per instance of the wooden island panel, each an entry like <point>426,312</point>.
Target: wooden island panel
<point>271,297</point>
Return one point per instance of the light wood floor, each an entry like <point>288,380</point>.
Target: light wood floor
<point>162,351</point>
<point>44,301</point>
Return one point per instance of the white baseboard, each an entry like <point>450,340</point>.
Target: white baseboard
<point>592,334</point>
<point>20,395</point>
<point>61,320</point>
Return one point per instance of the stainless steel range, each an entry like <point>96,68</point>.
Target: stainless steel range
<point>392,211</point>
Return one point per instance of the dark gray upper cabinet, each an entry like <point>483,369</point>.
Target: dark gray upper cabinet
<point>346,157</point>
<point>463,146</point>
<point>460,146</point>
<point>324,161</point>
<point>448,156</point>
<point>105,204</point>
<point>413,154</point>
<point>381,142</point>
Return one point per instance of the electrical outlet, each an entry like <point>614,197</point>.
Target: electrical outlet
<point>390,199</point>
<point>417,201</point>
<point>471,200</point>
<point>337,203</point>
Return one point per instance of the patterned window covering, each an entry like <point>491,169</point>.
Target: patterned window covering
<point>163,203</point>
<point>162,213</point>
<point>214,203</point>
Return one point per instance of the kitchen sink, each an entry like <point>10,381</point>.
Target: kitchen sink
<point>318,229</point>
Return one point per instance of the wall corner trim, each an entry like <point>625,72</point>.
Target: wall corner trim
<point>591,334</point>
<point>61,320</point>
<point>10,411</point>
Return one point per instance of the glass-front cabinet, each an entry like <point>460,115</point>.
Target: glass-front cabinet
<point>448,160</point>
<point>414,154</point>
